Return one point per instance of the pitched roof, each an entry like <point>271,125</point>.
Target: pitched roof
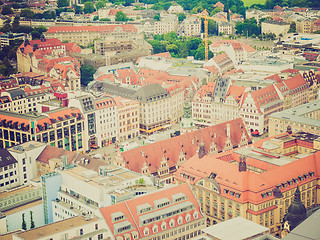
<point>6,158</point>
<point>264,96</point>
<point>170,149</point>
<point>132,216</point>
<point>296,83</point>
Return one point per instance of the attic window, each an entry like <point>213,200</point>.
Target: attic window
<point>263,195</point>
<point>306,175</point>
<point>301,178</point>
<point>238,195</point>
<point>311,174</point>
<point>226,191</point>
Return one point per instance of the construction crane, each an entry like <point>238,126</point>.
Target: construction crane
<point>204,14</point>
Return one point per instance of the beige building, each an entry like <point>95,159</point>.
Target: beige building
<point>301,118</point>
<point>128,118</point>
<point>190,27</point>
<point>275,27</point>
<point>305,25</point>
<point>167,24</point>
<point>84,35</point>
<point>225,28</point>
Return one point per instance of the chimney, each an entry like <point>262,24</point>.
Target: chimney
<point>242,164</point>
<point>202,151</point>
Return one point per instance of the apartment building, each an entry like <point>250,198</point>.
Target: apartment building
<point>67,74</point>
<point>314,84</point>
<point>9,177</point>
<point>216,102</point>
<point>256,183</point>
<point>128,118</point>
<point>276,27</point>
<point>305,25</point>
<point>84,35</point>
<point>300,118</point>
<point>190,27</point>
<point>220,63</point>
<point>107,120</point>
<point>256,107</point>
<point>166,24</point>
<point>62,127</point>
<point>172,213</point>
<point>225,28</point>
<point>163,158</point>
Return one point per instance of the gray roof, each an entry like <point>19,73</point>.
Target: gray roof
<point>87,103</point>
<point>6,158</point>
<point>150,93</point>
<point>235,229</point>
<point>115,90</point>
<point>15,93</point>
<point>307,230</point>
<point>221,88</point>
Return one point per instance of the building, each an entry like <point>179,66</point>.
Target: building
<point>175,9</point>
<point>220,63</point>
<point>75,227</point>
<point>300,118</point>
<point>107,120</point>
<point>256,107</point>
<point>9,171</point>
<point>7,38</point>
<point>305,25</point>
<point>163,158</point>
<point>18,201</point>
<point>62,128</point>
<point>84,35</point>
<point>255,182</point>
<point>128,118</point>
<point>172,213</point>
<point>190,27</point>
<point>278,28</point>
<point>225,28</point>
<point>166,24</point>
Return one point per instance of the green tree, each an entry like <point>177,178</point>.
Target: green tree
<point>88,7</point>
<point>37,32</point>
<point>27,13</point>
<point>100,4</point>
<point>104,19</point>
<point>121,17</point>
<point>157,46</point>
<point>6,10</point>
<point>77,9</point>
<point>172,48</point>
<point>63,3</point>
<point>197,9</point>
<point>15,23</point>
<point>157,17</point>
<point>87,72</point>
<point>31,221</point>
<point>215,11</point>
<point>292,28</point>
<point>95,18</point>
<point>200,53</point>
<point>181,17</point>
<point>24,225</point>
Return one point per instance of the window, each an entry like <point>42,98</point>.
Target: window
<point>81,231</point>
<point>100,236</point>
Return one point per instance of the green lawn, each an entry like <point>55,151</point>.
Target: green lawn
<point>248,3</point>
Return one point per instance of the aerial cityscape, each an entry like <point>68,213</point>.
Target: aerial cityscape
<point>159,119</point>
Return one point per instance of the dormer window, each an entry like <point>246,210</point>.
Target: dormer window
<point>188,217</point>
<point>155,228</point>
<point>171,223</point>
<point>146,231</point>
<point>195,214</point>
<point>180,220</point>
<point>163,226</point>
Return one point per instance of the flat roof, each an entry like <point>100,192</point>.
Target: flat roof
<point>235,229</point>
<point>54,228</point>
<point>21,148</point>
<point>15,191</point>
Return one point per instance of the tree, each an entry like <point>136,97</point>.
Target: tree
<point>181,17</point>
<point>216,10</point>
<point>31,221</point>
<point>292,28</point>
<point>197,9</point>
<point>63,3</point>
<point>27,13</point>
<point>200,53</point>
<point>87,72</point>
<point>157,17</point>
<point>88,7</point>
<point>95,18</point>
<point>100,4</point>
<point>24,225</point>
<point>104,19</point>
<point>77,9</point>
<point>6,10</point>
<point>37,32</point>
<point>172,48</point>
<point>121,17</point>
<point>16,23</point>
<point>157,46</point>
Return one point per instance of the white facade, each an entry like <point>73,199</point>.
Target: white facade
<point>168,24</point>
<point>190,27</point>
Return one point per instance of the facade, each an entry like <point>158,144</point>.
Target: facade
<point>172,213</point>
<point>7,38</point>
<point>107,120</point>
<point>9,171</point>
<point>62,128</point>
<point>84,35</point>
<point>256,107</point>
<point>225,28</point>
<point>222,63</point>
<point>305,25</point>
<point>166,24</point>
<point>258,187</point>
<point>162,159</point>
<point>301,118</point>
<point>190,27</point>
<point>128,118</point>
<point>276,27</point>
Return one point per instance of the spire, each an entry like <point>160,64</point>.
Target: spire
<point>297,196</point>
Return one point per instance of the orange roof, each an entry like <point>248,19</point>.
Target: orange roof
<point>296,83</point>
<point>205,89</point>
<point>129,209</point>
<point>264,96</point>
<point>274,77</point>
<point>170,149</point>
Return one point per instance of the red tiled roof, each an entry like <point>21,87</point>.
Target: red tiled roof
<point>290,71</point>
<point>129,209</point>
<point>296,83</point>
<point>274,77</point>
<point>170,149</point>
<point>264,96</point>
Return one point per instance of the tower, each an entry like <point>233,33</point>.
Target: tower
<point>187,124</point>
